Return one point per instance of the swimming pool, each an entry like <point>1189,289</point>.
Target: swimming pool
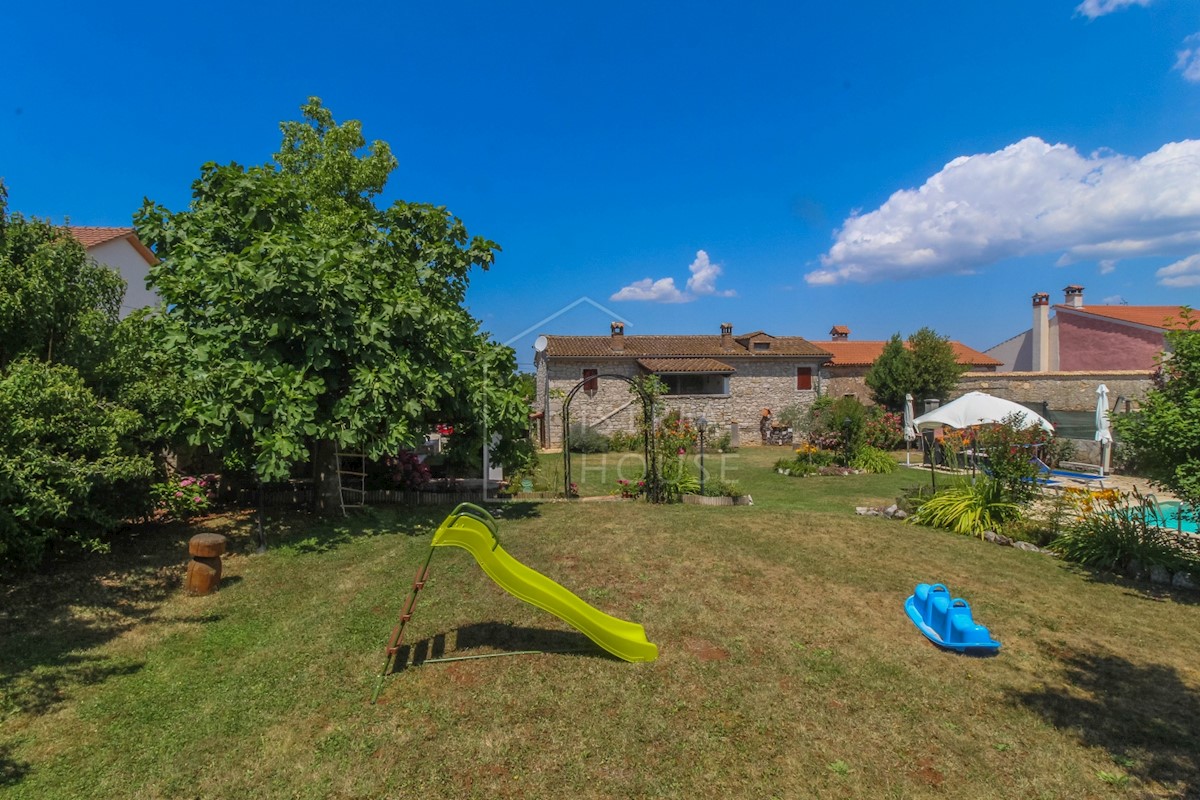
<point>1169,517</point>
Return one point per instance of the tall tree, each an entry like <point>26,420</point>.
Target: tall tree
<point>935,368</point>
<point>307,318</point>
<point>1163,436</point>
<point>891,375</point>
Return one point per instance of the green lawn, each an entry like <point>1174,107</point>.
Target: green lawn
<point>787,666</point>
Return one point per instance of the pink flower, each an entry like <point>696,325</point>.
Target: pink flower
<point>197,499</point>
<point>186,482</point>
<point>179,494</point>
<point>682,450</point>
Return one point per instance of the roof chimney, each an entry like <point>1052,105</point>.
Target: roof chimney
<point>839,333</point>
<point>617,340</point>
<point>726,336</point>
<point>1073,296</point>
<point>1040,344</point>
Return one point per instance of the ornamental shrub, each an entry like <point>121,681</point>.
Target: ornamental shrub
<point>407,471</point>
<point>69,474</point>
<point>182,497</point>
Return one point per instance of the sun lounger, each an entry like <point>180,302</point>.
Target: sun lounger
<point>1081,477</point>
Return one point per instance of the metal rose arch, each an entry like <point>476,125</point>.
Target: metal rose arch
<point>653,479</point>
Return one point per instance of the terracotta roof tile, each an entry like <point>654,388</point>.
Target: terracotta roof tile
<point>90,236</point>
<point>636,346</point>
<point>1151,316</point>
<point>862,354</point>
<point>94,236</point>
<point>684,365</point>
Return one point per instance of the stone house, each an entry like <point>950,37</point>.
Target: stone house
<point>729,379</point>
<point>1084,338</point>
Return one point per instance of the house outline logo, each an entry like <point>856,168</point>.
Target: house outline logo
<point>579,301</point>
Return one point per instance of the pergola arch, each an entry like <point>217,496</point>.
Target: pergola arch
<point>653,481</point>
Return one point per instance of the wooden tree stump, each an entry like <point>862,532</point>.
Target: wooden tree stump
<point>204,570</point>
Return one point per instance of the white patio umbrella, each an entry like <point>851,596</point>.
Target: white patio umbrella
<point>980,408</point>
<point>1103,433</point>
<point>910,430</point>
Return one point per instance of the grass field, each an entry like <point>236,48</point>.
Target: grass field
<point>787,666</point>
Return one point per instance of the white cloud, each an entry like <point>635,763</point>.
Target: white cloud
<point>654,291</point>
<point>704,277</point>
<point>1107,265</point>
<point>1182,274</point>
<point>1188,59</point>
<point>703,282</point>
<point>1031,198</point>
<point>1098,8</point>
<point>1113,300</point>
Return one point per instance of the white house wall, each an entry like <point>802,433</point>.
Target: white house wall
<point>122,256</point>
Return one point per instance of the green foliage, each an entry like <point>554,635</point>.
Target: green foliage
<point>1010,452</point>
<point>68,474</point>
<point>1162,439</point>
<point>842,425</point>
<point>935,368</point>
<point>588,440</point>
<point>626,442</point>
<point>968,508</point>
<point>722,488</point>
<point>56,304</point>
<point>925,367</point>
<point>183,496</point>
<point>675,434</point>
<point>885,429</point>
<point>892,375</point>
<point>303,314</point>
<point>677,479</point>
<point>719,440</point>
<point>873,460</point>
<point>1118,532</point>
<point>793,416</point>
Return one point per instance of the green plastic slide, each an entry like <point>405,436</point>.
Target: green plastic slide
<point>473,529</point>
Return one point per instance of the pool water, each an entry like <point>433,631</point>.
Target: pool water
<point>1170,518</point>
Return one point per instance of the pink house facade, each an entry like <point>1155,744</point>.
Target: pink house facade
<point>1087,342</point>
<point>1083,338</point>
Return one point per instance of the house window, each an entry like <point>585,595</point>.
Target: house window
<point>762,346</point>
<point>696,383</point>
<point>803,378</point>
<point>590,382</point>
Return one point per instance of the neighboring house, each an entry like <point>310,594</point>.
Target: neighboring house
<point>726,378</point>
<point>120,249</point>
<point>1083,338</point>
<point>845,372</point>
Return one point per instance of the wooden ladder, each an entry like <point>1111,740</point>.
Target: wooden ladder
<point>357,478</point>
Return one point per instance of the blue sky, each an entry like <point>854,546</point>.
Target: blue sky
<point>879,165</point>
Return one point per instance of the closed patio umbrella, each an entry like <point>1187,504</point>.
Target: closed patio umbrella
<point>910,430</point>
<point>1103,433</point>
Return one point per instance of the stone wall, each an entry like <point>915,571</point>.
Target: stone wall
<point>1063,391</point>
<point>756,384</point>
<point>845,381</point>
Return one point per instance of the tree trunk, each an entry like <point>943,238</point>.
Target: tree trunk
<point>326,486</point>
